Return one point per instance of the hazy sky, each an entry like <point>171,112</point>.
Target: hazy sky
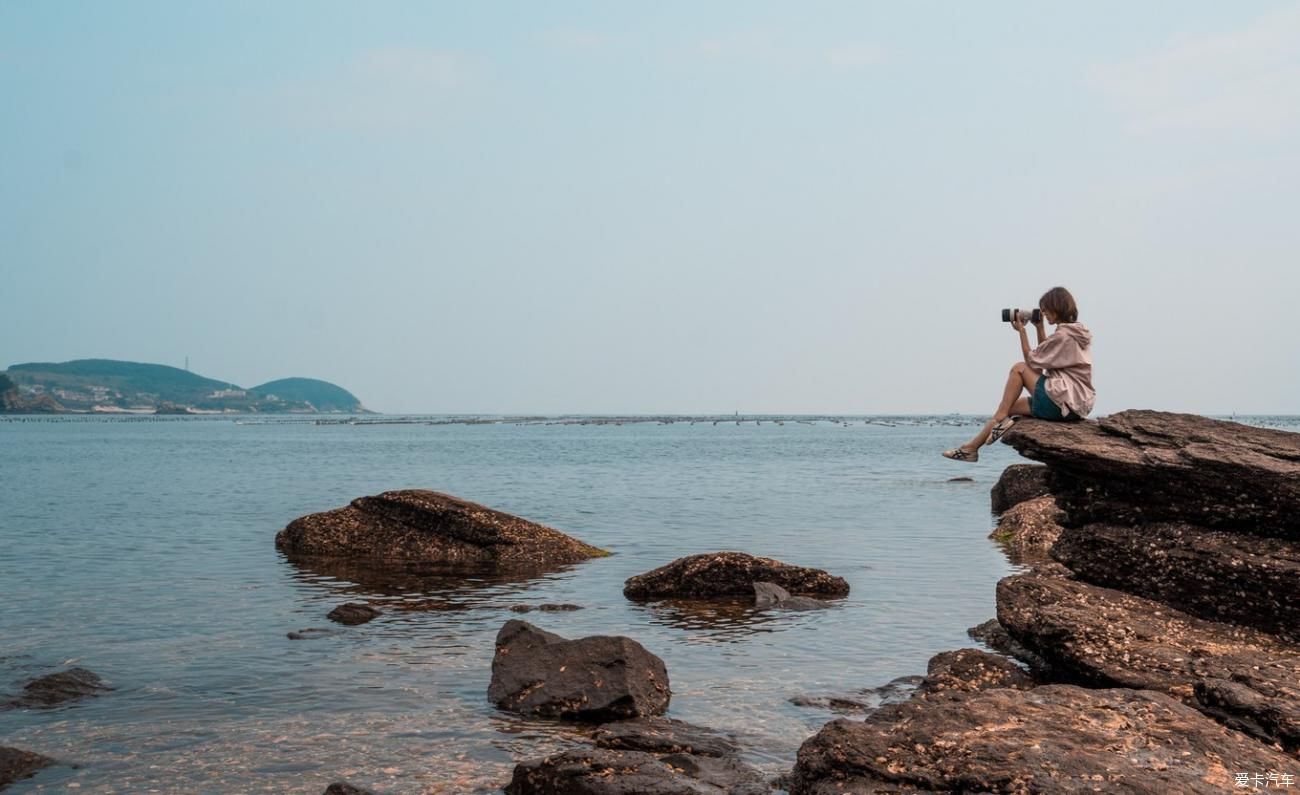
<point>656,207</point>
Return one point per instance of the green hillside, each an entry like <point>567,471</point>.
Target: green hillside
<point>322,395</point>
<point>108,384</point>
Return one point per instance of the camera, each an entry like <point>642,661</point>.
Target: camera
<point>1025,316</point>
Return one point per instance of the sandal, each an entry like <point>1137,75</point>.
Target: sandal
<point>1002,427</point>
<point>962,454</point>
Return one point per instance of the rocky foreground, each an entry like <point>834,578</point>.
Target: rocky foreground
<point>1159,637</point>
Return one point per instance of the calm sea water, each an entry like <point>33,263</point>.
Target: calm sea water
<point>145,552</point>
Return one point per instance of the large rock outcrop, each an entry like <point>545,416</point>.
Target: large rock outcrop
<point>1138,467</point>
<point>1051,739</point>
<point>1212,574</point>
<point>430,527</point>
<point>599,678</point>
<point>730,574</point>
<point>1018,482</point>
<point>1103,637</point>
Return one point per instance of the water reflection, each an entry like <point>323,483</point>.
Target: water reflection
<point>441,586</point>
<point>725,620</point>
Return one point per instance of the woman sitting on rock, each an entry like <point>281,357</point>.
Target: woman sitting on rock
<point>1057,374</point>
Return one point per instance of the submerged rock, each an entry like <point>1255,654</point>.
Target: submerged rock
<point>598,678</point>
<point>55,689</point>
<point>1018,482</point>
<point>545,608</point>
<point>602,771</point>
<point>1055,738</point>
<point>1028,529</point>
<point>430,527</point>
<point>730,574</point>
<point>768,594</point>
<point>1137,467</point>
<point>353,613</point>
<point>1103,637</point>
<point>864,700</point>
<point>664,736</point>
<point>312,633</point>
<point>16,765</point>
<point>1216,575</point>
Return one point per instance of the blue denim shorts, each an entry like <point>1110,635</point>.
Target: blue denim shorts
<point>1043,407</point>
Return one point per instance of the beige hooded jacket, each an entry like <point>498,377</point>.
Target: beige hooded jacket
<point>1067,358</point>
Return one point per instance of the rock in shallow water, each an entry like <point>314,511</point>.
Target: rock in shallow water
<point>353,613</point>
<point>342,788</point>
<point>55,689</point>
<point>771,595</point>
<point>1055,738</point>
<point>664,736</point>
<point>1105,637</point>
<point>430,527</point>
<point>16,765</point>
<point>598,678</point>
<point>1028,529</point>
<point>730,574</point>
<point>601,771</point>
<point>967,670</point>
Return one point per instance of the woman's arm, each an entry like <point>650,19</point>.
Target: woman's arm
<point>1024,340</point>
<point>1039,330</point>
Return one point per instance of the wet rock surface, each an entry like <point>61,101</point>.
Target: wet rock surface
<point>967,670</point>
<point>16,765</point>
<point>340,788</point>
<point>1028,529</point>
<point>1019,482</point>
<point>1104,637</point>
<point>1054,738</point>
<point>664,736</point>
<point>312,633</point>
<point>1140,466</point>
<point>73,684</point>
<point>353,613</point>
<point>730,574</point>
<point>602,771</point>
<point>431,527</point>
<point>995,636</point>
<point>1216,575</point>
<point>598,678</point>
<point>770,595</point>
<point>545,608</point>
<point>865,700</point>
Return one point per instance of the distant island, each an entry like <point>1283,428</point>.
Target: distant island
<point>110,386</point>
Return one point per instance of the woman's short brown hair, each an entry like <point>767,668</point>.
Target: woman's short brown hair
<point>1059,302</point>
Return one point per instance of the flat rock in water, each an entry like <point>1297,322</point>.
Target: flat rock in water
<point>430,527</point>
<point>771,595</point>
<point>1136,467</point>
<point>1018,482</point>
<point>967,670</point>
<point>1051,739</point>
<point>1028,529</point>
<point>603,771</point>
<point>864,700</point>
<point>1211,574</point>
<point>598,678</point>
<point>664,736</point>
<point>353,613</point>
<point>16,765</point>
<point>730,574</point>
<point>55,689</point>
<point>312,633</point>
<point>1105,637</point>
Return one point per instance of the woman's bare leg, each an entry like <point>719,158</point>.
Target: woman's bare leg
<point>1021,377</point>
